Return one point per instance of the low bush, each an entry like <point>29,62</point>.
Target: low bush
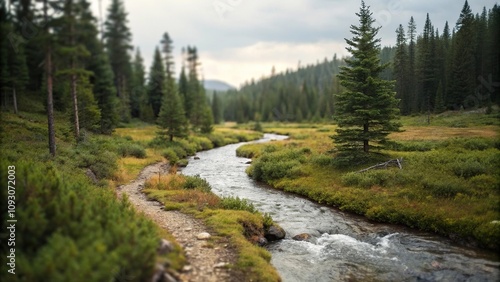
<point>171,156</point>
<point>369,178</point>
<point>468,169</point>
<point>236,203</point>
<point>132,150</point>
<point>67,227</point>
<point>444,188</point>
<point>196,182</point>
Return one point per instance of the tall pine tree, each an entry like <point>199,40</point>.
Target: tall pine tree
<point>367,109</point>
<point>118,43</point>
<point>463,72</point>
<point>156,83</point>
<point>401,71</point>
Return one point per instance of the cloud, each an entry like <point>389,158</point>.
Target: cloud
<point>241,39</point>
<point>256,60</point>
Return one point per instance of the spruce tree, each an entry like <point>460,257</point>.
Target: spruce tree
<point>463,76</point>
<point>156,83</point>
<point>118,43</point>
<point>171,117</point>
<point>5,29</point>
<point>74,52</point>
<point>412,95</point>
<point>183,92</point>
<point>366,110</point>
<point>137,95</point>
<point>216,108</point>
<point>401,71</point>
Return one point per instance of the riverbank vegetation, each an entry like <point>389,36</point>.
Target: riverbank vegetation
<point>449,183</point>
<point>69,219</point>
<point>233,220</point>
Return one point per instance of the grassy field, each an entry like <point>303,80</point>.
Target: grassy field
<point>449,184</point>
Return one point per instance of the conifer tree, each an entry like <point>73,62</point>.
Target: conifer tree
<point>216,110</point>
<point>5,29</point>
<point>137,95</point>
<point>156,83</point>
<point>401,71</point>
<point>412,95</point>
<point>117,39</point>
<point>171,117</point>
<point>74,51</point>
<point>463,73</point>
<point>366,110</point>
<point>183,91</point>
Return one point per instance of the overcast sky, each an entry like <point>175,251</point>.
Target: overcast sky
<point>242,39</point>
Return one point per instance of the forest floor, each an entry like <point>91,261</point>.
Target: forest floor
<point>206,260</point>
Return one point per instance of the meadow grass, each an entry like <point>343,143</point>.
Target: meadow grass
<point>449,184</point>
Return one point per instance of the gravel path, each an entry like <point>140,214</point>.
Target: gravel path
<point>206,261</point>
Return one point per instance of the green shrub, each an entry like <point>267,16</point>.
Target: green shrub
<point>322,160</point>
<point>196,182</point>
<point>267,220</point>
<point>132,150</point>
<point>216,139</point>
<point>171,156</point>
<point>203,143</point>
<point>67,227</point>
<point>369,178</point>
<point>444,188</point>
<point>236,203</point>
<point>179,151</point>
<point>468,169</point>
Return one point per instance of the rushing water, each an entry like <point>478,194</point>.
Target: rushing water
<point>344,247</point>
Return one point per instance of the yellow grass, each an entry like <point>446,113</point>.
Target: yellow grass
<point>443,132</point>
<point>146,133</point>
<point>130,167</point>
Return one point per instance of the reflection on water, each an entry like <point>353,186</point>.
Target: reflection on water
<point>344,247</point>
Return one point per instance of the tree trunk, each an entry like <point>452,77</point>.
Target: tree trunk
<point>14,99</point>
<point>73,87</point>
<point>50,99</point>
<point>50,104</point>
<point>75,106</point>
<point>366,147</point>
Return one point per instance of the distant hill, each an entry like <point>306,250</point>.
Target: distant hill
<point>217,85</point>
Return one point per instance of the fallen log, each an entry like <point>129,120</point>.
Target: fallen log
<point>396,162</point>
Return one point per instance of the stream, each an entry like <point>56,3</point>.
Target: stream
<point>344,247</point>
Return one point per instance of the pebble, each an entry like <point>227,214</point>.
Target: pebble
<point>220,264</point>
<point>203,236</point>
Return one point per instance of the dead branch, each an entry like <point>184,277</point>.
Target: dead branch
<point>396,162</point>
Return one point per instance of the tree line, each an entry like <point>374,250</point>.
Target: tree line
<point>434,71</point>
<point>57,50</point>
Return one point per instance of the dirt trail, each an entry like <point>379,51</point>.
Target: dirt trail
<point>205,262</point>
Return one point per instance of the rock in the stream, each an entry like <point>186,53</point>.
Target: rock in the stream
<point>196,158</point>
<point>262,241</point>
<point>203,236</point>
<point>165,247</point>
<point>249,162</point>
<point>302,237</point>
<point>275,232</point>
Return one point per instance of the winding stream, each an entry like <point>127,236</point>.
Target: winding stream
<point>344,247</point>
